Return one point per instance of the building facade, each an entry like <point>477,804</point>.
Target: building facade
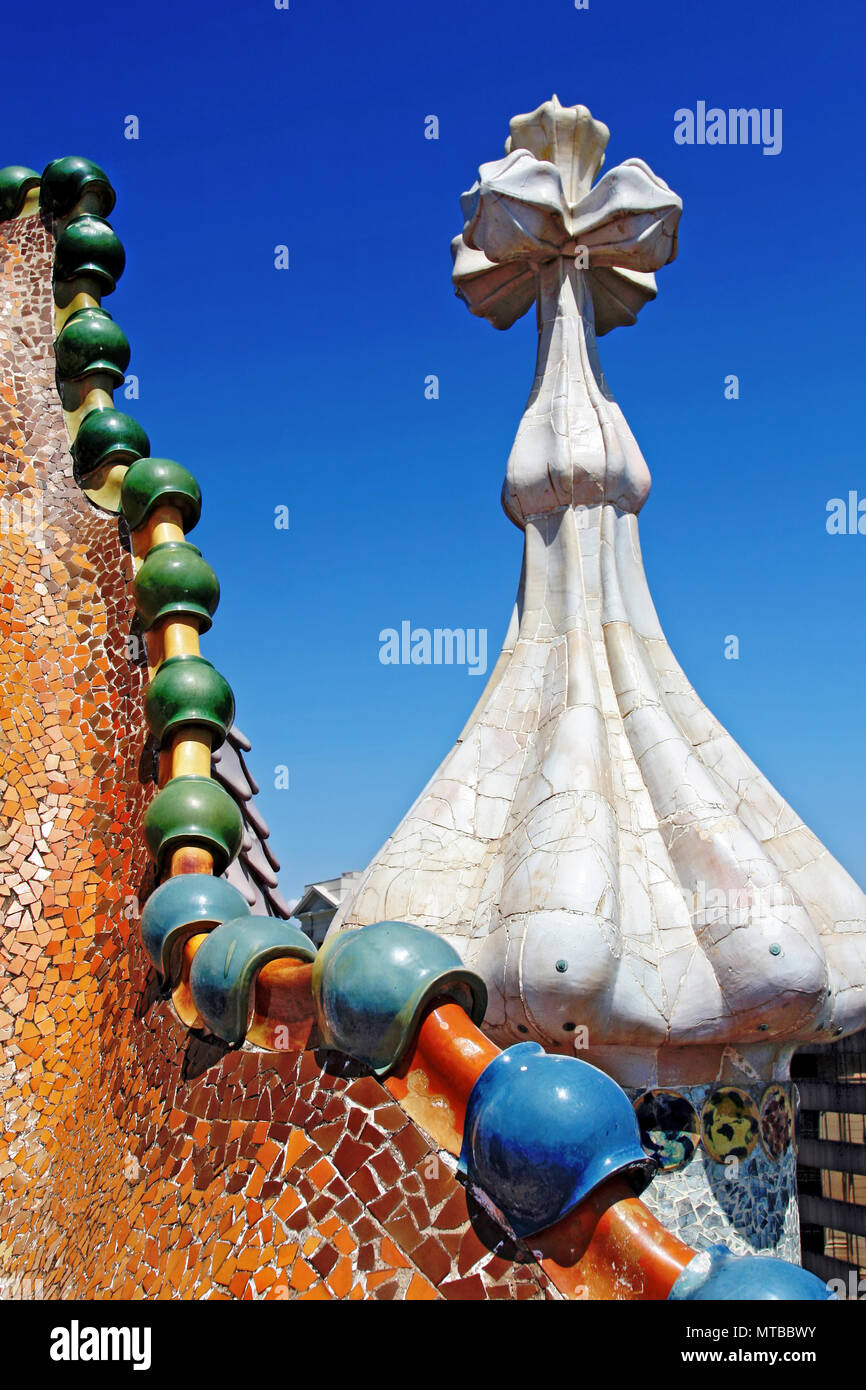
<point>831,1162</point>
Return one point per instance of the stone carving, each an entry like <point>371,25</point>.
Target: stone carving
<point>596,845</point>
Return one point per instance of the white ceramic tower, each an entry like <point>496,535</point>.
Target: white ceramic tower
<point>596,845</point>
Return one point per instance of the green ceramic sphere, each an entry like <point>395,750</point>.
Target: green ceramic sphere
<point>16,181</point>
<point>88,246</point>
<point>174,579</point>
<point>189,690</point>
<point>90,341</point>
<point>65,180</point>
<point>159,482</point>
<point>198,812</point>
<point>107,436</point>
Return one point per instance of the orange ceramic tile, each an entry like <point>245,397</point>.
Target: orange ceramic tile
<point>302,1275</point>
<point>136,1162</point>
<point>420,1289</point>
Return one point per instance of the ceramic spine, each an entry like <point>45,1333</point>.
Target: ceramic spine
<point>89,260</point>
<point>189,706</point>
<point>193,826</point>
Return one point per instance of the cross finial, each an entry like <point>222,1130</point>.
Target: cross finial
<point>538,203</point>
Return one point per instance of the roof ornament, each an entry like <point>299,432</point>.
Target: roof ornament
<point>538,205</point>
<point>596,846</point>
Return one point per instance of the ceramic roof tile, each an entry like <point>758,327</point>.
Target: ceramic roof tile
<point>254,872</point>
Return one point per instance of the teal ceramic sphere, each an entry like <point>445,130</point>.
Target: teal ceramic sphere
<point>371,988</point>
<point>225,966</point>
<point>182,907</point>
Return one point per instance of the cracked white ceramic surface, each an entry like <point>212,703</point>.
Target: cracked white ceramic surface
<point>596,845</point>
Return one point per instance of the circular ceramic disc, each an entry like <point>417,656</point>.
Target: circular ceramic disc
<point>777,1122</point>
<point>670,1129</point>
<point>729,1124</point>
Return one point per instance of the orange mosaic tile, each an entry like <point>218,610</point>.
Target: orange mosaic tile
<point>138,1159</point>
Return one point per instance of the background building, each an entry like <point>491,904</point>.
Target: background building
<point>318,903</point>
<point>831,1165</point>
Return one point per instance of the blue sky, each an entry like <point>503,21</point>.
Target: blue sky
<point>305,388</point>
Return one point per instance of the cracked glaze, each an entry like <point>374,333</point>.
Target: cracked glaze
<point>596,845</point>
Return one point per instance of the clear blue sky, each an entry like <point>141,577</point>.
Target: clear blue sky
<point>306,387</point>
